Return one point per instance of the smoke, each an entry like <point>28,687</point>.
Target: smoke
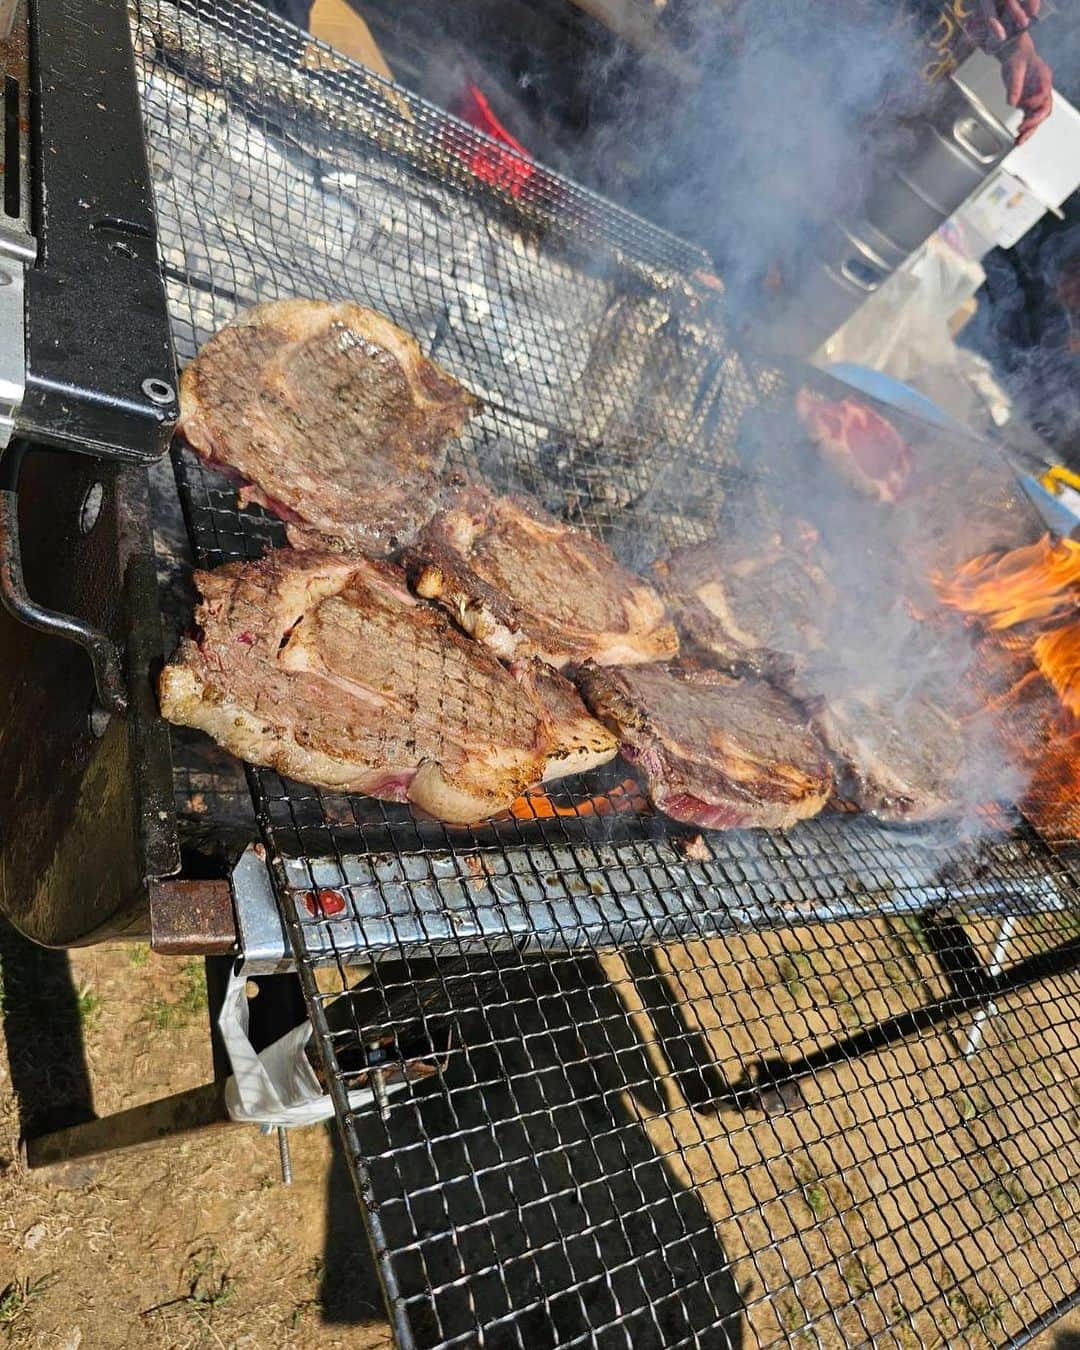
<point>794,106</point>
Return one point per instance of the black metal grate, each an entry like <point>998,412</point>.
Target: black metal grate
<point>661,1089</point>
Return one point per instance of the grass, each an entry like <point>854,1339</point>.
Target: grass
<point>845,1005</point>
<point>795,1320</point>
<point>858,1275</point>
<point>169,1014</point>
<point>17,1298</point>
<point>974,1312</point>
<point>210,1287</point>
<point>911,930</point>
<point>894,974</point>
<point>814,1191</point>
<point>309,1304</point>
<point>970,1103</point>
<point>794,969</point>
<point>1005,1196</point>
<point>88,1004</point>
<point>903,1327</point>
<point>139,954</point>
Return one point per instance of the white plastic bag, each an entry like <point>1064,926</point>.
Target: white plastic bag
<point>277,1086</point>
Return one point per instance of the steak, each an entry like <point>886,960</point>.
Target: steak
<point>713,750</point>
<point>326,669</point>
<point>525,584</point>
<point>330,417</point>
<point>859,443</point>
<point>902,756</point>
<point>764,609</point>
<point>582,742</point>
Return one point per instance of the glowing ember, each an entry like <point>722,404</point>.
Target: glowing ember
<point>1057,654</point>
<point>1038,583</point>
<point>537,805</point>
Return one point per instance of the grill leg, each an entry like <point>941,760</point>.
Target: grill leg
<point>973,1040</point>
<point>974,989</point>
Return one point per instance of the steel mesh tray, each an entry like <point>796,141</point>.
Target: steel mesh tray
<point>637,1089</point>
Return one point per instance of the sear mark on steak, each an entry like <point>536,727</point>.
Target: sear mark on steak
<point>525,584</point>
<point>330,416</point>
<point>326,669</point>
<point>764,608</point>
<point>583,742</point>
<point>714,751</point>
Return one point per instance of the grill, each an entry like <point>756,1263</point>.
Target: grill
<point>634,1087</point>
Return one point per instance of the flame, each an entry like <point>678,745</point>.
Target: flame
<point>1057,655</point>
<point>1040,582</point>
<point>537,805</point>
<point>1029,598</point>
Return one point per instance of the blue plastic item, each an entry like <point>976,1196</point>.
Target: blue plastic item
<point>887,390</point>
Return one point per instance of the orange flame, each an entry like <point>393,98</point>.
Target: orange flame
<point>1057,654</point>
<point>537,805</point>
<point>1038,582</point>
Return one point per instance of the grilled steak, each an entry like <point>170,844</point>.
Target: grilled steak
<point>763,609</point>
<point>902,756</point>
<point>713,750</point>
<point>326,669</point>
<point>582,743</point>
<point>524,584</point>
<point>329,415</point>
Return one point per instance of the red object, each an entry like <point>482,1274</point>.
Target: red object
<point>327,904</point>
<point>866,449</point>
<point>509,168</point>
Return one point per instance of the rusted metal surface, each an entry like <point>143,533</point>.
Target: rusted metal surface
<point>192,918</point>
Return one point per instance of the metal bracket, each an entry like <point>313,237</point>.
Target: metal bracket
<point>104,657</point>
<point>16,252</point>
<point>264,944</point>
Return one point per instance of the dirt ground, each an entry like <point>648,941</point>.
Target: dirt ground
<point>198,1244</point>
<point>192,1243</point>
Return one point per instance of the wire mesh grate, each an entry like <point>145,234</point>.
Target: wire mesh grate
<point>639,1086</point>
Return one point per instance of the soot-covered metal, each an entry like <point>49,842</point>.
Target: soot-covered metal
<point>638,1086</point>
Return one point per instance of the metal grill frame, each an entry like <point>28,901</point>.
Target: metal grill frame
<point>291,154</point>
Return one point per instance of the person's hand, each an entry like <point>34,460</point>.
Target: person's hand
<point>1029,84</point>
<point>1003,19</point>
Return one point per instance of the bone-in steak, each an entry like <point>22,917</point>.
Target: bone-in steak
<point>525,584</point>
<point>326,669</point>
<point>329,415</point>
<point>763,608</point>
<point>713,750</point>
